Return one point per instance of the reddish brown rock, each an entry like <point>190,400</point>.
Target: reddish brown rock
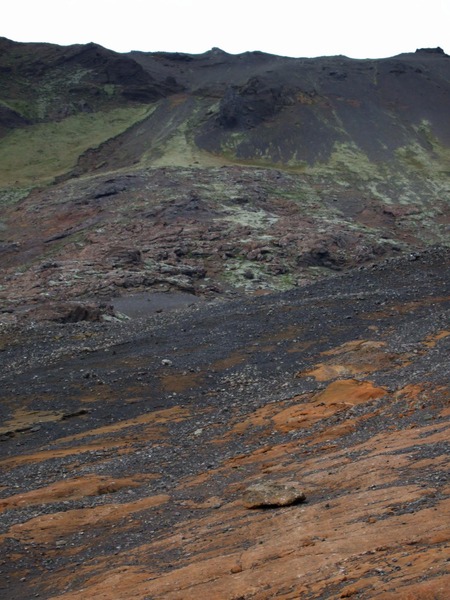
<point>141,486</point>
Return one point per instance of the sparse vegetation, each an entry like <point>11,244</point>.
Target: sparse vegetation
<point>234,278</point>
<point>38,153</point>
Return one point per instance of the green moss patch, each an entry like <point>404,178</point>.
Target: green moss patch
<point>39,153</point>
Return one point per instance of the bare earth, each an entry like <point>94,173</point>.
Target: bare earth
<point>224,332</point>
<point>127,448</point>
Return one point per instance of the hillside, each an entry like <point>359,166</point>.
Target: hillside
<point>252,172</point>
<point>220,272</point>
<point>128,447</point>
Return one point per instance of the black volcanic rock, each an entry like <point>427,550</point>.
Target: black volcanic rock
<point>251,104</point>
<point>48,82</point>
<point>314,103</point>
<point>111,68</point>
<point>437,50</point>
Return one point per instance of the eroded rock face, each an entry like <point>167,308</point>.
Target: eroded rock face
<point>249,105</point>
<point>207,232</point>
<point>71,312</point>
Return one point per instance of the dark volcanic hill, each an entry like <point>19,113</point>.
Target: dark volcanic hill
<point>212,173</point>
<point>224,325</point>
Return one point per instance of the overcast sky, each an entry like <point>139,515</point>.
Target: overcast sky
<point>355,28</point>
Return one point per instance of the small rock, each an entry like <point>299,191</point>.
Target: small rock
<point>166,362</point>
<point>272,494</point>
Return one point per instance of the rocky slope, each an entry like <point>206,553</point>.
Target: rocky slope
<point>212,173</point>
<point>224,329</point>
<point>128,448</point>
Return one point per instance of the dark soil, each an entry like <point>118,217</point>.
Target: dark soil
<point>215,365</point>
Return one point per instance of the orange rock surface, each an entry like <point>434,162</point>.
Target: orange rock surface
<point>145,501</point>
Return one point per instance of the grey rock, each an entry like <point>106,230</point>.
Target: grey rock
<point>271,494</point>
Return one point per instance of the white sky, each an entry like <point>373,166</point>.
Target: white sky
<point>355,28</point>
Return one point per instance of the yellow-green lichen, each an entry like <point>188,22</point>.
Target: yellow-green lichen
<point>349,160</point>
